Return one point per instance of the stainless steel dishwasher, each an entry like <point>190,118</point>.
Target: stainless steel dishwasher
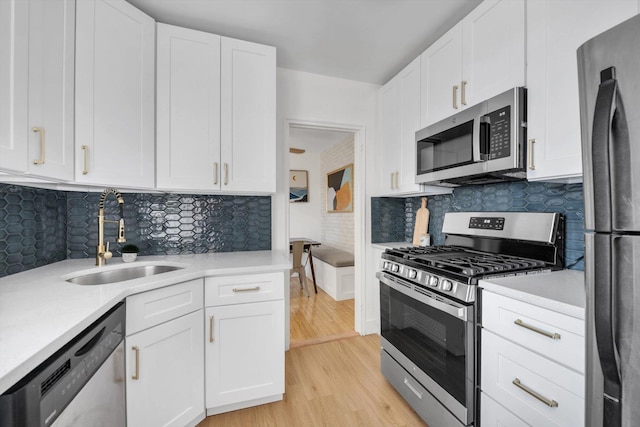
<point>82,384</point>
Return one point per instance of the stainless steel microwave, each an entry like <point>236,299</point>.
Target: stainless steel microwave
<point>482,144</point>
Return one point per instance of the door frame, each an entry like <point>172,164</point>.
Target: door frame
<point>359,210</point>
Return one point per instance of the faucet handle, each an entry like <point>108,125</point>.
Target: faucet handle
<point>107,254</point>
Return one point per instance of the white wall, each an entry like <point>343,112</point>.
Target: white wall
<point>337,227</point>
<point>306,97</point>
<point>304,218</point>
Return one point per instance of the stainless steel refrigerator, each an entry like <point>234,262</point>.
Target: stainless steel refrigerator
<point>609,79</point>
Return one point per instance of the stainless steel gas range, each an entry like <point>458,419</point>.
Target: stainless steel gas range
<point>429,304</point>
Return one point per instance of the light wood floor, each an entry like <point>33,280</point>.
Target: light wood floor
<point>319,317</point>
<point>336,383</point>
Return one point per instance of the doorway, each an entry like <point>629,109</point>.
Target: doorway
<point>315,151</point>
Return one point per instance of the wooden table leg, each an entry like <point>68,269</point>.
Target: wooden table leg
<point>313,271</point>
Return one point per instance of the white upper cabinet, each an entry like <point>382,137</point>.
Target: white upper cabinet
<point>216,113</point>
<point>555,30</point>
<point>115,95</point>
<point>188,109</point>
<point>36,87</point>
<point>482,56</point>
<point>441,77</point>
<point>14,73</point>
<point>398,111</point>
<point>248,116</point>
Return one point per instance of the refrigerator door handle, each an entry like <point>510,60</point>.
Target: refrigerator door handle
<point>611,156</point>
<point>604,312</point>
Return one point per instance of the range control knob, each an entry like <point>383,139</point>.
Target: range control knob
<point>433,281</point>
<point>446,285</point>
<point>395,268</point>
<point>412,274</point>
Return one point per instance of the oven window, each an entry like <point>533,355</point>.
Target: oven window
<point>433,340</point>
<point>453,147</point>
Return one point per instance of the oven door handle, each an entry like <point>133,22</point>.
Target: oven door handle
<point>456,310</point>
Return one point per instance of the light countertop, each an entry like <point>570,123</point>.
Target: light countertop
<point>40,311</point>
<point>561,291</point>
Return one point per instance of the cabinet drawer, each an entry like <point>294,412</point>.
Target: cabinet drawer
<point>504,362</point>
<point>513,319</point>
<point>492,414</point>
<point>243,288</point>
<point>160,305</point>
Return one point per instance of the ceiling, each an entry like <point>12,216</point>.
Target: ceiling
<point>364,40</point>
<point>315,141</point>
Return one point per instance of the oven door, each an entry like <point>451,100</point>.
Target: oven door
<point>433,338</point>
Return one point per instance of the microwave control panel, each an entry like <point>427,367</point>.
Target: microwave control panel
<point>500,134</point>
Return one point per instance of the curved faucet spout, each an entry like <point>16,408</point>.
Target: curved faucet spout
<point>102,252</point>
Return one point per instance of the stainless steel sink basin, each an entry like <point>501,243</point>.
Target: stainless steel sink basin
<point>121,274</point>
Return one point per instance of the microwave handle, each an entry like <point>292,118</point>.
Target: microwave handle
<point>481,138</point>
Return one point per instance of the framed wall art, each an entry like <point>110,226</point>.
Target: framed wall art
<point>340,190</point>
<point>298,186</point>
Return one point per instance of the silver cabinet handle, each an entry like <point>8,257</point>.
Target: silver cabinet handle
<point>552,335</point>
<point>463,97</point>
<point>136,375</point>
<point>531,165</point>
<point>397,179</point>
<point>255,288</point>
<point>226,174</point>
<point>455,97</point>
<point>215,173</point>
<point>211,328</point>
<point>40,161</point>
<point>550,403</point>
<point>85,150</point>
<point>413,389</point>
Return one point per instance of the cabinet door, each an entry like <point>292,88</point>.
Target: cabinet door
<point>51,84</point>
<point>115,94</point>
<point>248,114</point>
<point>165,373</point>
<point>555,30</point>
<point>244,352</point>
<point>441,72</point>
<point>14,38</point>
<point>388,141</point>
<point>409,124</point>
<point>188,109</point>
<point>493,53</point>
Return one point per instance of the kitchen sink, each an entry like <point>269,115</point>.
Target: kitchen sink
<point>122,274</point>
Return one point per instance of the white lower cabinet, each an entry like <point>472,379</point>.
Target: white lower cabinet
<point>165,366</point>
<point>532,365</point>
<point>244,341</point>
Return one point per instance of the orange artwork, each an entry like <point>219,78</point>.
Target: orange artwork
<point>340,190</point>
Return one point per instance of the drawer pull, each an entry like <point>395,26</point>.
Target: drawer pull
<point>550,403</point>
<point>552,335</point>
<point>211,328</point>
<point>255,288</point>
<point>413,389</point>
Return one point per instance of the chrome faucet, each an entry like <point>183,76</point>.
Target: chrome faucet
<point>102,252</point>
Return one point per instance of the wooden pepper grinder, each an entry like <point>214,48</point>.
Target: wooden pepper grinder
<point>422,222</point>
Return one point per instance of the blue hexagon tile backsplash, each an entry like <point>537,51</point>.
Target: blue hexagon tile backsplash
<point>521,196</point>
<point>38,227</point>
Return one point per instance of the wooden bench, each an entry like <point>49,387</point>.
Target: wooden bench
<point>334,271</point>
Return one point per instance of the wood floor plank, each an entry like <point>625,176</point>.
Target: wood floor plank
<point>336,383</point>
<point>318,315</point>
